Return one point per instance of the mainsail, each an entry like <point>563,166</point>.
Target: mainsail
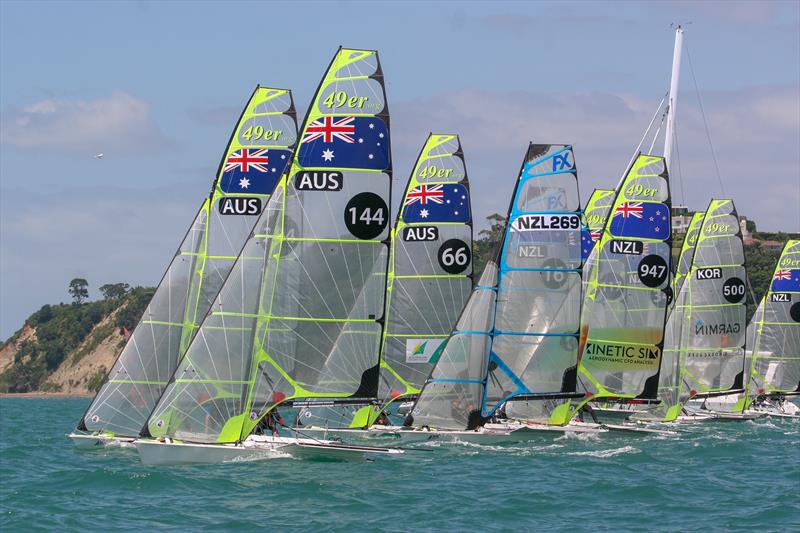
<point>517,336</point>
<point>430,270</point>
<point>775,336</point>
<point>257,156</point>
<point>705,333</point>
<point>300,315</point>
<point>622,325</point>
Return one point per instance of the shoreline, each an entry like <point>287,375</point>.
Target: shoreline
<point>45,395</point>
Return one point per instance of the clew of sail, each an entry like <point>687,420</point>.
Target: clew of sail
<point>775,366</point>
<point>627,293</point>
<point>257,156</point>
<point>430,269</point>
<point>300,317</point>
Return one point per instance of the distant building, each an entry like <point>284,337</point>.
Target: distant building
<point>681,217</point>
<point>747,237</point>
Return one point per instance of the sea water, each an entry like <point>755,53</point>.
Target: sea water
<point>717,476</point>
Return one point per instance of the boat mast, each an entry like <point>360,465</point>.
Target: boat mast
<point>673,97</point>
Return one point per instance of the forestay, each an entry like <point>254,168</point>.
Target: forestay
<point>776,330</point>
<point>430,270</point>
<point>300,316</point>
<point>622,325</point>
<point>257,155</point>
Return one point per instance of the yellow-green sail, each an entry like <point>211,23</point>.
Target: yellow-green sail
<point>300,315</point>
<point>257,156</point>
<point>430,270</point>
<point>625,303</point>
<point>775,364</point>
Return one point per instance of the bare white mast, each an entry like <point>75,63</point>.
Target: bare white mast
<point>673,97</point>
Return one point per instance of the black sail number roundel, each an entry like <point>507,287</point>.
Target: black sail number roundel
<point>794,312</point>
<point>554,277</point>
<point>653,270</point>
<point>733,290</point>
<point>454,256</point>
<point>366,215</point>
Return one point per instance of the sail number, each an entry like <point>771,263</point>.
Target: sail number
<point>637,189</point>
<point>454,256</point>
<point>652,270</point>
<point>557,277</point>
<point>254,133</point>
<point>365,215</point>
<point>733,290</point>
<point>340,98</point>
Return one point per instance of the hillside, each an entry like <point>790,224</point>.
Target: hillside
<point>69,347</point>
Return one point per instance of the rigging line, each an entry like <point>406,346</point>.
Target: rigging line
<point>678,164</point>
<point>658,131</point>
<point>705,123</point>
<point>641,142</point>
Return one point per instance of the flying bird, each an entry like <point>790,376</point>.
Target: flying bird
<point>98,156</point>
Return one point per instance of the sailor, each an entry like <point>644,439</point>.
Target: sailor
<point>272,420</point>
<point>383,419</point>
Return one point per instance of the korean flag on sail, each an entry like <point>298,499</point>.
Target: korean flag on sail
<point>643,220</point>
<point>345,142</point>
<point>442,202</point>
<point>253,170</point>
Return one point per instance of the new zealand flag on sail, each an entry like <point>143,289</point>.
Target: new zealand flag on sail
<point>643,220</point>
<point>588,240</point>
<point>253,170</point>
<point>786,280</point>
<point>442,202</point>
<point>345,142</point>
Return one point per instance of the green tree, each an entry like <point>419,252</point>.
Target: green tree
<point>79,290</point>
<point>114,291</point>
<point>484,245</point>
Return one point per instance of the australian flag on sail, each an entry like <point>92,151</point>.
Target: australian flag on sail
<point>643,220</point>
<point>345,142</point>
<point>588,239</point>
<point>441,202</point>
<point>253,170</point>
<point>786,280</point>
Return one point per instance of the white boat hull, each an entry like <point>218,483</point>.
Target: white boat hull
<point>254,448</point>
<point>532,429</point>
<point>86,441</point>
<point>385,435</point>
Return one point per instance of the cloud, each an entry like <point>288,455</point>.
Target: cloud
<point>215,116</point>
<point>119,124</point>
<point>755,134</point>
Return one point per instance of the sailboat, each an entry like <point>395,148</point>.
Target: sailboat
<point>704,346</point>
<point>299,319</point>
<point>257,156</point>
<point>517,338</point>
<point>429,281</point>
<point>775,370</point>
<point>772,364</point>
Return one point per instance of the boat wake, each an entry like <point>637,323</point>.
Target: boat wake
<point>607,453</point>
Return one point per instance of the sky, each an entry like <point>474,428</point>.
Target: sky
<point>157,87</point>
